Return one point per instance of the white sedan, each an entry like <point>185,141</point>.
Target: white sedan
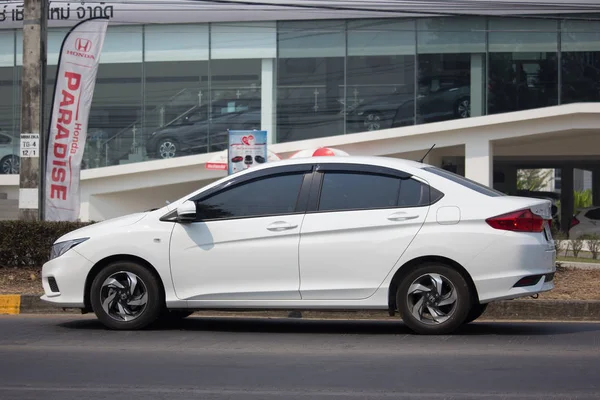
<point>324,233</point>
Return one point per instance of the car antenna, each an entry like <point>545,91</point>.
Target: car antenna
<point>428,151</point>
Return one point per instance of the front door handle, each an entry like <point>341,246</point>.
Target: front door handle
<point>280,226</point>
<point>402,216</point>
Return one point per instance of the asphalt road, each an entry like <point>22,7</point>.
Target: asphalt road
<point>73,357</point>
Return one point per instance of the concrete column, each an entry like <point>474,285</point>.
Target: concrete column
<point>269,99</point>
<point>566,198</point>
<point>477,84</point>
<point>510,180</point>
<point>479,161</point>
<point>596,186</point>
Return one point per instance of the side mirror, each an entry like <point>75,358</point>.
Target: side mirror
<point>186,212</point>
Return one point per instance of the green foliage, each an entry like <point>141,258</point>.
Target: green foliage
<point>28,243</point>
<point>533,179</point>
<point>582,199</point>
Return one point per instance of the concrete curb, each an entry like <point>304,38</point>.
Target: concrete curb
<point>551,310</point>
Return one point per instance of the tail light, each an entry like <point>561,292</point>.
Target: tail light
<point>574,221</point>
<point>518,221</point>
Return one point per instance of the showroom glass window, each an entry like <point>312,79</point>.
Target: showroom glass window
<point>380,70</point>
<point>115,128</point>
<point>9,139</point>
<point>273,195</point>
<point>238,52</point>
<point>176,89</point>
<point>310,79</point>
<point>523,60</point>
<point>580,46</point>
<point>451,68</point>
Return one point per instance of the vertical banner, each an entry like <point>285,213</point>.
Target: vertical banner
<point>73,92</point>
<point>246,149</point>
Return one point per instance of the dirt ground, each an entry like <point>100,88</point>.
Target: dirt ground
<point>571,284</point>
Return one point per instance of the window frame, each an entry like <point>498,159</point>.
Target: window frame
<point>236,181</point>
<point>314,197</point>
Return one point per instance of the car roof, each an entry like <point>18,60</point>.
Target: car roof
<point>363,160</point>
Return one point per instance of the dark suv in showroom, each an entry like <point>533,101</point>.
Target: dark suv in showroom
<point>193,132</point>
<point>439,98</point>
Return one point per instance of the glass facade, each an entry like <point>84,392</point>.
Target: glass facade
<point>166,91</point>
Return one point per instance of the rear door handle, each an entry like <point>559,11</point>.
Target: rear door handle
<point>402,216</point>
<point>280,226</point>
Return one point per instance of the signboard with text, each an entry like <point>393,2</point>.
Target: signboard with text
<point>73,92</point>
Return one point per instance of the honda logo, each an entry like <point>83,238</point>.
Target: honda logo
<point>83,45</point>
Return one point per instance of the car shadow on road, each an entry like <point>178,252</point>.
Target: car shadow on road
<point>332,326</point>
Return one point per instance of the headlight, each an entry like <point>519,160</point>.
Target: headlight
<point>58,249</point>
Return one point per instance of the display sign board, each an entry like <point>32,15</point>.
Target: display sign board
<point>246,149</point>
<point>73,93</point>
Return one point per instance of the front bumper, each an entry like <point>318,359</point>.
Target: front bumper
<point>64,279</point>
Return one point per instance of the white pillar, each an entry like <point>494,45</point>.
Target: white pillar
<point>269,99</point>
<point>477,84</point>
<point>479,161</point>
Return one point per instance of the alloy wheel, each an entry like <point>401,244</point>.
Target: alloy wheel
<point>372,122</point>
<point>432,299</point>
<point>123,296</point>
<point>11,165</point>
<point>464,108</point>
<point>167,149</point>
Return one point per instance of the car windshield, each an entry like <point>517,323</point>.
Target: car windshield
<point>461,180</point>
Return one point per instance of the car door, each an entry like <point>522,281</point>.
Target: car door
<point>360,220</point>
<point>244,244</point>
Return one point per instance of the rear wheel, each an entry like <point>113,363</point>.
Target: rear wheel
<point>434,299</point>
<point>126,296</point>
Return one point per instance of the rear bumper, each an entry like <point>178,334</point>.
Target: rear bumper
<point>498,271</point>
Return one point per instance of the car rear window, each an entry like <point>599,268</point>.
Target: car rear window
<point>461,180</point>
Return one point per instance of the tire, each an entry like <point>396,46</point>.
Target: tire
<point>476,311</point>
<point>452,309</point>
<point>140,308</point>
<point>167,148</point>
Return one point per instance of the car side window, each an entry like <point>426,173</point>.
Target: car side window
<point>346,191</point>
<point>414,193</point>
<point>272,195</point>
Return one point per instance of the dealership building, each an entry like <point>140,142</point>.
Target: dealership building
<point>496,86</point>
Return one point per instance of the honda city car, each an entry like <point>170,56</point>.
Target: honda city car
<point>342,233</point>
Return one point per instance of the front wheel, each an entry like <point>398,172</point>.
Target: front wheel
<point>126,296</point>
<point>434,299</point>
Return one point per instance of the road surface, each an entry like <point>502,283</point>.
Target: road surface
<point>73,357</point>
